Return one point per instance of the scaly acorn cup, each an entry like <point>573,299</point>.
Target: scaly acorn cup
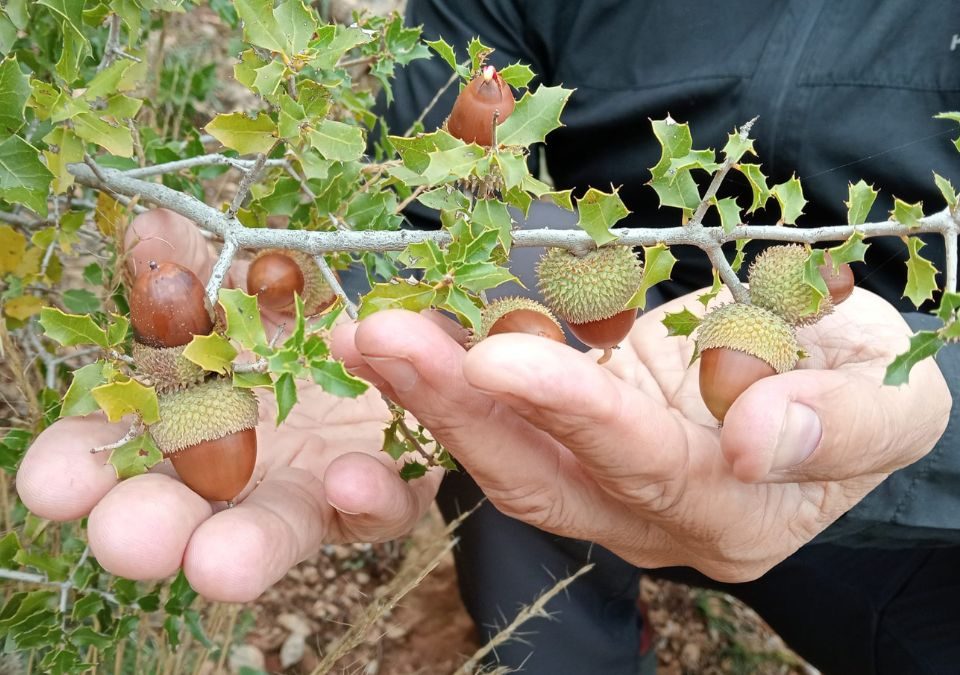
<point>208,432</point>
<point>276,274</point>
<point>518,315</point>
<point>590,292</point>
<point>776,283</point>
<point>166,367</point>
<point>738,345</point>
<point>485,101</point>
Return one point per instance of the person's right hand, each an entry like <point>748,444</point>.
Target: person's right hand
<point>628,456</point>
<point>320,478</point>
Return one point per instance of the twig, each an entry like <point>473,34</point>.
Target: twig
<point>334,284</point>
<point>89,161</point>
<point>303,183</point>
<point>249,178</point>
<point>531,611</point>
<point>436,97</point>
<point>413,195</point>
<point>697,219</point>
<point>112,47</point>
<point>950,247</point>
<point>202,160</point>
<point>220,269</point>
<point>359,61</point>
<point>42,580</point>
<point>135,430</point>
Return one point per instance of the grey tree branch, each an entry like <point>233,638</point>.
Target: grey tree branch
<point>334,284</point>
<point>213,159</point>
<point>227,254</point>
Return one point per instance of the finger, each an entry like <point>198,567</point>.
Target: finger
<point>624,438</point>
<point>524,471</point>
<point>373,502</point>
<point>238,553</point>
<point>59,478</point>
<point>140,529</point>
<point>164,236</point>
<point>812,425</point>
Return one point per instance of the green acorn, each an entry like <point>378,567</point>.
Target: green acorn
<point>590,292</point>
<point>776,283</point>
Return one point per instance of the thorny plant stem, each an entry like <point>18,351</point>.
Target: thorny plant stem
<point>348,305</point>
<point>41,580</point>
<point>135,430</point>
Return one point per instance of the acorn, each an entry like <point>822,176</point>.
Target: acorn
<point>275,275</point>
<point>518,315</point>
<point>168,306</point>
<point>590,292</point>
<point>208,433</point>
<point>206,426</point>
<point>777,283</point>
<point>485,101</point>
<point>738,345</point>
<point>840,282</point>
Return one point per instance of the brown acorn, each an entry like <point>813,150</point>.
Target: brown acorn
<point>276,274</point>
<point>208,433</point>
<point>738,345</point>
<point>168,306</point>
<point>605,333</point>
<point>518,315</point>
<point>486,100</point>
<point>839,282</point>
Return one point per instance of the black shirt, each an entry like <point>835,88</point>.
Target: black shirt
<point>843,91</point>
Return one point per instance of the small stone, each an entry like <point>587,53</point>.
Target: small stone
<point>295,624</point>
<point>246,656</point>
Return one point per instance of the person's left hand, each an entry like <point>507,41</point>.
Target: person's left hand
<point>628,456</point>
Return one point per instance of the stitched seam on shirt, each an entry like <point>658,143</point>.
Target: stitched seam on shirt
<point>655,85</point>
<point>877,85</point>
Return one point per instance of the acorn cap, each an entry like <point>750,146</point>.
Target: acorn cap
<point>776,283</point>
<point>595,286</point>
<point>205,412</point>
<point>499,308</point>
<point>317,294</point>
<point>166,367</point>
<point>752,330</point>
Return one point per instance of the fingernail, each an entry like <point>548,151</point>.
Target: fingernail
<point>400,373</point>
<point>343,511</point>
<point>799,436</point>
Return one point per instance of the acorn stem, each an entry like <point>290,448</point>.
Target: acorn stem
<point>606,356</point>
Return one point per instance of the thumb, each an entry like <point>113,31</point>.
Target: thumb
<point>164,236</point>
<point>829,425</point>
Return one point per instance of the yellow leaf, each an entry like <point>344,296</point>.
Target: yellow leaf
<point>12,247</point>
<point>111,215</point>
<point>23,308</point>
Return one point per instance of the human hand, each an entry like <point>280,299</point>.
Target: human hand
<point>628,456</point>
<point>320,477</point>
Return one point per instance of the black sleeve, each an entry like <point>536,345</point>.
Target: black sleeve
<point>920,503</point>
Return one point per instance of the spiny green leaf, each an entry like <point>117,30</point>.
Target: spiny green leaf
<point>923,345</point>
<point>260,26</point>
<point>852,250</point>
<point>921,274</point>
<point>79,400</point>
<point>243,318</point>
<point>117,399</point>
<point>456,163</point>
<point>298,24</point>
<point>790,196</point>
<point>737,147</point>
<point>758,185</point>
<point>492,213</point>
<point>445,51</point>
<point>23,177</point>
<point>477,52</point>
<point>337,140</point>
<point>211,352</point>
<point>907,214</point>
<point>412,469</point>
<point>814,279</point>
<point>9,547</point>
<point>949,307</point>
<point>403,294</point>
<point>683,322</point>
<point>695,159</point>
<point>658,264</point>
<point>517,75</point>
<point>244,134</point>
<point>955,116</point>
<point>464,306</point>
<point>113,138</point>
<point>729,212</point>
<point>946,189</point>
<point>334,379</point>
<point>535,116</point>
<point>481,276</point>
<point>598,212</point>
<point>135,456</point>
<point>860,201</point>
<point>71,329</point>
<point>706,298</point>
<point>251,380</point>
<point>444,197</point>
<point>14,92</point>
